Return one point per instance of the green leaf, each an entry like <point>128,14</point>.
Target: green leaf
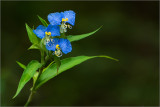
<point>32,37</point>
<point>57,61</point>
<point>72,38</point>
<point>27,75</point>
<point>48,66</point>
<point>35,76</point>
<point>66,64</point>
<point>34,46</point>
<point>43,21</point>
<point>21,65</point>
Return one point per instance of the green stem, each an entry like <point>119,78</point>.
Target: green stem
<point>29,99</point>
<point>42,58</point>
<point>63,35</point>
<point>33,88</point>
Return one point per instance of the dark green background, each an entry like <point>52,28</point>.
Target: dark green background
<point>129,33</point>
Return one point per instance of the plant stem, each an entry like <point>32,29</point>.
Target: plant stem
<point>34,84</point>
<point>29,99</point>
<point>42,58</point>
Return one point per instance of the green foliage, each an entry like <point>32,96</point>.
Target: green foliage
<point>48,66</point>
<point>55,65</point>
<point>35,77</point>
<point>21,65</point>
<point>57,61</point>
<point>43,21</point>
<point>66,64</point>
<point>27,74</point>
<point>32,37</point>
<point>34,46</point>
<point>72,38</point>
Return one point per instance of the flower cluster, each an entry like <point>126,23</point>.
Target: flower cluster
<point>59,22</point>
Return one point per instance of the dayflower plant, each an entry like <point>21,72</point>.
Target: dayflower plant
<point>53,43</point>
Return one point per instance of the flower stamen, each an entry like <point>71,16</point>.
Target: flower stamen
<point>58,52</point>
<point>57,47</point>
<point>64,19</point>
<point>48,33</point>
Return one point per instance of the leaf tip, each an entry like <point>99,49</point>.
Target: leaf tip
<point>14,96</point>
<point>26,24</point>
<point>100,27</point>
<point>107,57</point>
<point>18,62</point>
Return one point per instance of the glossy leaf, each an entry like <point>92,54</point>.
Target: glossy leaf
<point>32,37</point>
<point>72,38</point>
<point>27,75</point>
<point>48,66</point>
<point>66,64</point>
<point>35,76</point>
<point>43,21</point>
<point>21,65</point>
<point>34,46</point>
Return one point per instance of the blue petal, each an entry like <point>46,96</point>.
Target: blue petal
<point>40,31</point>
<point>70,15</point>
<point>65,45</point>
<point>55,18</point>
<point>55,30</point>
<point>52,44</point>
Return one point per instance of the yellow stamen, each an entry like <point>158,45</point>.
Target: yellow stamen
<point>57,47</point>
<point>48,33</point>
<point>64,20</point>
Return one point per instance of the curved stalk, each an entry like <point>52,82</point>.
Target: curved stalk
<point>29,99</point>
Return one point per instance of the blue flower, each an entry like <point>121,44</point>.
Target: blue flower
<point>59,46</point>
<point>69,16</point>
<point>65,45</point>
<point>40,31</point>
<point>66,16</point>
<point>55,18</point>
<point>51,45</point>
<point>54,30</point>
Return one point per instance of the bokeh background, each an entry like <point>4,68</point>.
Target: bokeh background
<point>130,33</point>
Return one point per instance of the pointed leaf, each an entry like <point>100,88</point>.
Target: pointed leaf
<point>32,37</point>
<point>72,38</point>
<point>27,75</point>
<point>21,65</point>
<point>66,64</point>
<point>43,21</point>
<point>34,46</point>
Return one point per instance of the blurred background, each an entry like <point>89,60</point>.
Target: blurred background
<point>130,33</point>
